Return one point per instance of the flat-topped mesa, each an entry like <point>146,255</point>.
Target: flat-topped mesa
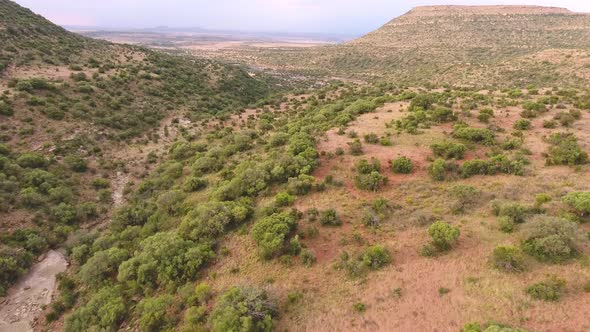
<point>486,10</point>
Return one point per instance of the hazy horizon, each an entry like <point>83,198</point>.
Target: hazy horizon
<point>344,17</point>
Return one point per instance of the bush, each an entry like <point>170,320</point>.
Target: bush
<point>475,327</point>
<point>437,170</point>
<point>549,124</point>
<point>194,317</point>
<point>564,150</point>
<point>512,210</point>
<point>402,165</point>
<point>548,290</point>
<point>76,163</point>
<point>508,259</point>
<point>449,150</point>
<point>506,224</point>
<point>359,307</point>
<point>372,138</point>
<point>100,183</point>
<point>355,147</point>
<point>101,266</point>
<point>371,258</point>
<point>375,257</point>
<point>271,233</point>
<point>193,184</point>
<point>476,135</point>
<point>154,313</point>
<point>32,160</point>
<point>465,196</point>
<point>308,258</point>
<point>370,182</point>
<point>365,167</point>
<point>522,124</point>
<point>243,309</point>
<point>579,202</point>
<point>104,311</point>
<point>443,235</point>
<point>165,259</point>
<point>551,239</point>
<point>329,218</point>
<point>284,199</point>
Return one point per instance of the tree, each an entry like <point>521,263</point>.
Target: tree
<point>271,233</point>
<point>104,311</point>
<point>153,313</point>
<point>243,309</point>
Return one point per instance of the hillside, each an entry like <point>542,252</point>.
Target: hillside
<point>75,117</point>
<point>455,45</point>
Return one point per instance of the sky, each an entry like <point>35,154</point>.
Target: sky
<point>346,17</point>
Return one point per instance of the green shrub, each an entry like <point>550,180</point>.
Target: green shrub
<point>516,212</point>
<point>359,307</point>
<point>32,160</point>
<point>475,327</point>
<point>465,196</point>
<point>371,258</point>
<point>443,235</point>
<point>552,239</point>
<point>506,224</point>
<point>194,318</point>
<point>193,184</point>
<point>372,138</point>
<point>154,313</point>
<point>508,259</point>
<point>542,198</point>
<point>329,218</point>
<point>271,233</point>
<point>355,147</point>
<point>564,150</point>
<point>437,170</point>
<point>549,124</point>
<point>102,266</point>
<point>476,135</point>
<point>284,199</point>
<point>243,309</point>
<point>522,124</point>
<point>370,182</point>
<point>365,167</point>
<point>449,150</point>
<point>100,183</point>
<point>76,163</point>
<point>165,259</point>
<point>308,258</point>
<point>402,165</point>
<point>579,202</point>
<point>549,290</point>
<point>375,257</point>
<point>104,311</point>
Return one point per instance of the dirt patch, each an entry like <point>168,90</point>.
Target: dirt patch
<point>24,301</point>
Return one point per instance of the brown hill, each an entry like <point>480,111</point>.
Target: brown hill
<point>472,45</point>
